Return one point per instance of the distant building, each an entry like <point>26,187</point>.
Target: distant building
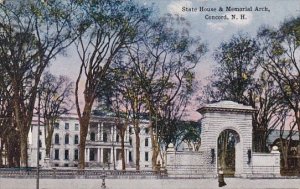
<point>103,145</point>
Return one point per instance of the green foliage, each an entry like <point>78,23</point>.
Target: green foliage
<point>236,66</point>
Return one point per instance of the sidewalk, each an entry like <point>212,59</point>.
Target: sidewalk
<point>232,183</point>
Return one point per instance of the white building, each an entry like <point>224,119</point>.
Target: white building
<point>103,145</point>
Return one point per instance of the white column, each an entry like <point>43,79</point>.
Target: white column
<point>126,156</point>
<point>85,151</point>
<point>88,137</point>
<point>88,154</point>
<point>111,133</point>
<point>101,155</point>
<point>111,156</point>
<point>126,135</point>
<point>98,133</point>
<point>101,131</point>
<point>98,155</point>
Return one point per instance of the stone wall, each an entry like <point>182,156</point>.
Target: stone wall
<point>266,165</point>
<point>186,164</point>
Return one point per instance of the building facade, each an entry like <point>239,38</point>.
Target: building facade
<point>103,144</point>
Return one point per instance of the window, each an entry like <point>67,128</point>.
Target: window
<point>40,143</point>
<point>130,141</point>
<point>67,139</point>
<point>66,154</point>
<point>130,156</point>
<point>56,154</point>
<point>92,155</point>
<point>56,139</point>
<point>130,130</point>
<point>117,138</point>
<point>146,156</point>
<point>67,126</point>
<point>40,155</point>
<point>104,137</point>
<point>76,127</point>
<point>56,125</point>
<point>76,139</point>
<point>146,142</point>
<point>93,136</point>
<point>147,130</point>
<point>40,133</point>
<point>76,154</point>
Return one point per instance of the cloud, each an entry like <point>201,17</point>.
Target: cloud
<point>175,7</point>
<point>217,26</point>
<point>247,18</point>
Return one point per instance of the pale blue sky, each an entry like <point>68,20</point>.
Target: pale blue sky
<point>213,32</point>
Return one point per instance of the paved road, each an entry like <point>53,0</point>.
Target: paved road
<point>232,183</point>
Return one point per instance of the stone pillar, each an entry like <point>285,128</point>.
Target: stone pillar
<point>238,159</point>
<point>276,155</point>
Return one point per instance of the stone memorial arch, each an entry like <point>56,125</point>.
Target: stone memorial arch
<point>217,118</point>
<point>222,116</point>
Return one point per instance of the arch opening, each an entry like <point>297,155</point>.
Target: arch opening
<point>228,151</point>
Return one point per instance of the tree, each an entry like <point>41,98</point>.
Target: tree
<point>279,57</point>
<point>106,27</point>
<point>6,119</point>
<point>280,61</point>
<point>235,71</point>
<point>55,94</point>
<point>163,63</point>
<point>32,34</point>
<point>265,97</point>
<point>189,133</point>
<point>113,101</point>
<point>120,94</point>
<point>239,78</point>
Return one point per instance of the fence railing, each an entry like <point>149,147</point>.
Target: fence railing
<point>74,173</point>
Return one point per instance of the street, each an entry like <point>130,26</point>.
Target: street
<point>232,183</point>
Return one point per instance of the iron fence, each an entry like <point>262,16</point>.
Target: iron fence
<point>74,173</point>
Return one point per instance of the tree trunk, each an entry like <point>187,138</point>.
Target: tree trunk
<point>48,142</point>
<point>284,151</point>
<point>82,149</point>
<point>122,135</point>
<point>113,149</point>
<point>298,145</point>
<point>84,125</point>
<point>285,157</point>
<point>24,155</point>
<point>48,130</point>
<point>1,152</point>
<point>137,150</point>
<point>155,148</point>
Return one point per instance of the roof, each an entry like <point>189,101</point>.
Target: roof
<point>226,106</point>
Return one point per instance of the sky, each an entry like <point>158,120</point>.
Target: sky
<point>212,31</point>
